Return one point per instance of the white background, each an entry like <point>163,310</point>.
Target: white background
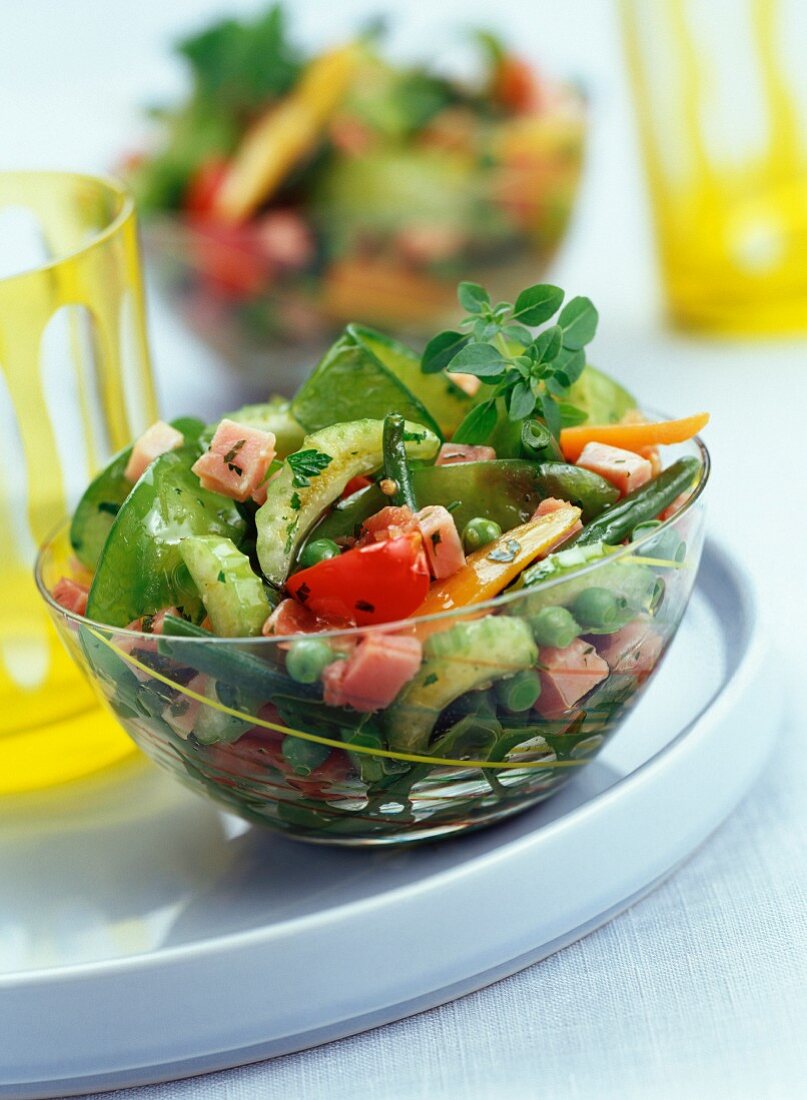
<point>700,989</point>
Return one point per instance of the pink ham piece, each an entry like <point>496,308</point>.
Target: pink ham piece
<point>452,454</point>
<point>155,441</point>
<point>71,595</point>
<point>635,648</point>
<point>374,673</point>
<point>237,461</point>
<point>390,523</point>
<point>624,469</point>
<point>441,540</point>
<point>568,674</point>
<point>182,716</point>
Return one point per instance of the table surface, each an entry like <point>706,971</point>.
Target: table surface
<point>700,988</point>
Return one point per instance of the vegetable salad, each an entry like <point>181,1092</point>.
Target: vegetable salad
<point>346,184</point>
<point>368,525</point>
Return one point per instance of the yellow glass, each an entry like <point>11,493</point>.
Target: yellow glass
<point>721,98</point>
<point>75,386</point>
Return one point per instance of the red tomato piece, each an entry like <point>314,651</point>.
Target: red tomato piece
<point>372,584</point>
<point>204,185</point>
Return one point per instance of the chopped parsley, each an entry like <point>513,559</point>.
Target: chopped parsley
<point>305,465</point>
<point>295,501</point>
<point>229,458</point>
<point>505,553</point>
<point>363,605</point>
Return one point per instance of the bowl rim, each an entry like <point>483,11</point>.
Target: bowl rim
<point>396,626</point>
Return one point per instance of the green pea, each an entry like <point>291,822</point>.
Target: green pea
<point>307,658</point>
<point>597,608</point>
<point>304,756</point>
<point>519,692</point>
<point>554,626</point>
<point>478,532</point>
<point>318,550</point>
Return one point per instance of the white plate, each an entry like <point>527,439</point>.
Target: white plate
<point>145,936</point>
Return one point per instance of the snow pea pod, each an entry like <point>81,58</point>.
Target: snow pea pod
<point>103,497</point>
<point>642,504</point>
<point>141,570</point>
<point>506,491</point>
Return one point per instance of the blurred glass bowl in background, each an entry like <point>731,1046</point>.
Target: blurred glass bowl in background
<point>383,240</point>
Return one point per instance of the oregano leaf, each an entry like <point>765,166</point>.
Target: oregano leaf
<point>537,304</point>
<point>477,425</point>
<point>547,344</point>
<point>483,360</point>
<point>441,350</point>
<point>472,297</point>
<point>572,363</point>
<point>520,401</point>
<point>570,415</point>
<point>578,319</point>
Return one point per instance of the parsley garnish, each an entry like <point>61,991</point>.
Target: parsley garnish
<point>530,372</point>
<point>363,605</point>
<point>221,578</point>
<point>295,501</point>
<point>305,465</point>
<point>430,679</point>
<point>229,458</point>
<point>505,553</point>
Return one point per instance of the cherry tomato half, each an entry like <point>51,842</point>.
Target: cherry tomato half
<point>370,584</point>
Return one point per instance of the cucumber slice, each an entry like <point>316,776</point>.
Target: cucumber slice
<point>602,399</point>
<point>96,511</point>
<point>292,508</point>
<point>140,570</point>
<point>466,657</point>
<point>351,382</point>
<point>234,597</point>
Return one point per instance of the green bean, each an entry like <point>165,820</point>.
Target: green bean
<point>396,467</point>
<point>616,524</point>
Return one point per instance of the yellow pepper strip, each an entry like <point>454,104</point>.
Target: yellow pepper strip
<point>489,570</point>
<point>285,133</point>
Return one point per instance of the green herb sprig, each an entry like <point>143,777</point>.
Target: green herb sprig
<point>531,372</point>
<point>305,465</point>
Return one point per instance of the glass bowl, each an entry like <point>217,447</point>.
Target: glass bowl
<point>465,744</point>
<point>286,283</point>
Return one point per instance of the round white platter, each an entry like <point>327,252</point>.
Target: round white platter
<point>146,936</point>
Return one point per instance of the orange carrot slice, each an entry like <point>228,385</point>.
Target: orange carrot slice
<point>630,437</point>
<point>489,570</point>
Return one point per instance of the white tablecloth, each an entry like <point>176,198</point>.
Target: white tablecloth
<point>700,989</point>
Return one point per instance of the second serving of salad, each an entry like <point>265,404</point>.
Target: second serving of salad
<point>330,611</point>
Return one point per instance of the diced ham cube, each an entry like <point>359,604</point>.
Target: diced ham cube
<point>374,673</point>
<point>285,239</point>
<point>237,461</point>
<point>181,716</point>
<point>155,441</point>
<point>568,674</point>
<point>635,648</point>
<point>624,469</point>
<point>71,595</point>
<point>550,505</point>
<point>390,523</point>
<point>452,454</point>
<point>153,624</point>
<point>442,541</point>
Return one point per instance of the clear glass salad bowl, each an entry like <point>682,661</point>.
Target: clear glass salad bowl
<point>465,744</point>
<point>286,283</point>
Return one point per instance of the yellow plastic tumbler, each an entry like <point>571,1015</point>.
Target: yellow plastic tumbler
<point>721,98</point>
<point>75,386</point>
